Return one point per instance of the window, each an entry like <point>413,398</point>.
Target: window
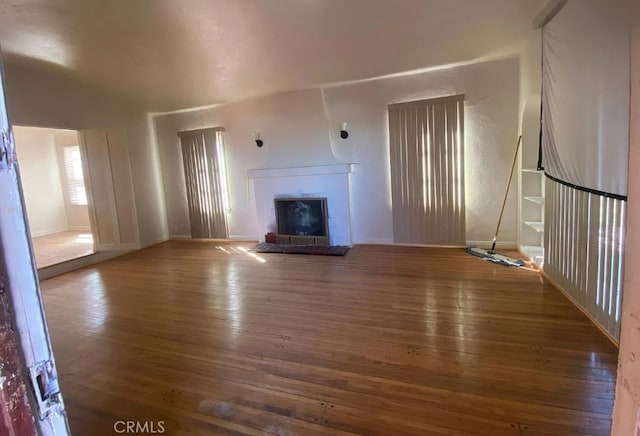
<point>75,179</point>
<point>427,171</point>
<point>206,182</point>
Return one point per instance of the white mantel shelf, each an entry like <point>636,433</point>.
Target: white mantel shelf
<point>316,170</point>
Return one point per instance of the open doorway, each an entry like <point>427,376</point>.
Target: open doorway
<point>55,195</point>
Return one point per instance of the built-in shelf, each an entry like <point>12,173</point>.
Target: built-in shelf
<point>533,252</point>
<point>536,200</point>
<point>531,202</point>
<point>538,226</point>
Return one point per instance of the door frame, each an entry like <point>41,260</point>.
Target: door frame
<point>22,288</point>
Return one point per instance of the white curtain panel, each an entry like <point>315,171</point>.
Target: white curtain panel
<point>585,107</point>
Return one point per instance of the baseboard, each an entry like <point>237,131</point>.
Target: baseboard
<point>79,229</point>
<point>504,245</point>
<point>81,262</point>
<point>239,238</point>
<point>402,244</point>
<point>573,301</point>
<point>154,242</point>
<point>179,236</point>
<point>130,246</point>
<point>243,238</point>
<point>374,242</point>
<point>48,232</point>
<point>507,245</point>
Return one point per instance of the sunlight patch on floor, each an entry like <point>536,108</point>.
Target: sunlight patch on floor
<point>253,255</point>
<point>85,238</point>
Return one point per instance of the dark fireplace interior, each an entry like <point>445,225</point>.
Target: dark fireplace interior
<point>302,216</point>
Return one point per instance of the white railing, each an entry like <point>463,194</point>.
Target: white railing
<point>584,246</point>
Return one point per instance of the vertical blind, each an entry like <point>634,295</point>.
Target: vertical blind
<point>584,246</point>
<point>427,171</point>
<point>206,182</point>
<point>76,190</point>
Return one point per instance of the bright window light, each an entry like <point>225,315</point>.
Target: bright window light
<point>74,177</point>
<point>223,169</point>
<point>252,255</point>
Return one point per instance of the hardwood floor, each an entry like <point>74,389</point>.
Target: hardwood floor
<point>61,247</point>
<point>386,340</point>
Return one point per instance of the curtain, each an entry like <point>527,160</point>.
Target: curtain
<point>427,171</point>
<point>205,178</point>
<point>585,97</point>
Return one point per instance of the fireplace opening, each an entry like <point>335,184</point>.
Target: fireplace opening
<point>302,221</point>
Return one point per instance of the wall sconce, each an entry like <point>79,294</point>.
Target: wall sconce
<point>259,141</point>
<point>343,131</point>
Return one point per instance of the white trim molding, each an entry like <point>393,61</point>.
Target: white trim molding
<point>316,170</point>
<point>79,229</point>
<point>180,237</point>
<point>154,242</point>
<point>243,238</point>
<point>119,247</point>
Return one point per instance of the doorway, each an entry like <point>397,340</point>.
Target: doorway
<point>51,169</point>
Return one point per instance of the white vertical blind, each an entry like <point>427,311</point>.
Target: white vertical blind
<point>427,171</point>
<point>584,245</point>
<point>205,177</point>
<point>74,178</point>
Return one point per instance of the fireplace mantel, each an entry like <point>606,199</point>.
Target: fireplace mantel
<point>316,170</point>
<point>327,181</point>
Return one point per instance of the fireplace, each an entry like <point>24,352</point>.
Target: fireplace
<point>302,221</point>
<point>328,182</point>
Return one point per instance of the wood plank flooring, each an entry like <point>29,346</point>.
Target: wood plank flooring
<point>387,340</point>
<point>61,247</point>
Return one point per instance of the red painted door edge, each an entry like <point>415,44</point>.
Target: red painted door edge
<point>16,416</point>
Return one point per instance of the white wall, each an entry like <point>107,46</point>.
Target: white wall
<point>626,411</point>
<point>302,128</point>
<point>531,87</point>
<point>491,105</point>
<point>43,95</point>
<point>41,180</point>
<point>293,128</point>
<point>77,215</point>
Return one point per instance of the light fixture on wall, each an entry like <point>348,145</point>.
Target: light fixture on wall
<point>343,131</point>
<point>259,141</point>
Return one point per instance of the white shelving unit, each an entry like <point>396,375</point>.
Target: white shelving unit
<point>531,201</point>
<point>536,200</point>
<point>532,215</point>
<point>534,252</point>
<point>538,226</point>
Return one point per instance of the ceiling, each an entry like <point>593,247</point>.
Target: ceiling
<point>173,54</point>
